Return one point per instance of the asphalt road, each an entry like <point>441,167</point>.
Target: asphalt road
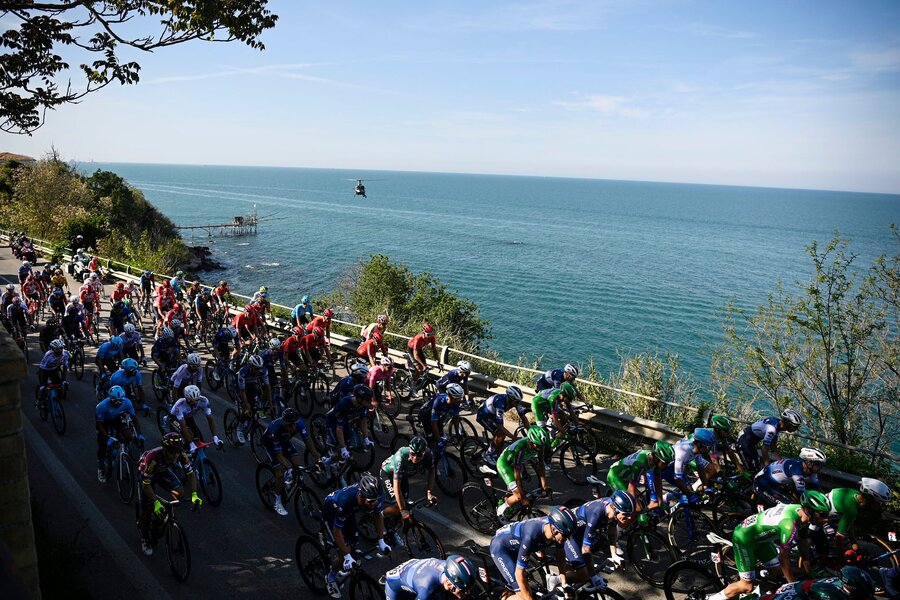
<point>239,549</point>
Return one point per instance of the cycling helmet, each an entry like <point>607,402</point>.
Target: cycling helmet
<point>812,455</point>
<point>191,393</point>
<point>359,370</point>
<point>129,365</point>
<point>538,436</point>
<point>571,370</point>
<point>328,313</point>
<point>562,519</point>
<point>11,287</point>
<point>116,394</point>
<point>94,275</point>
<point>263,289</point>
<point>318,332</point>
<point>455,391</point>
<point>176,323</point>
<point>382,319</point>
<point>86,277</point>
<point>386,361</point>
<point>173,441</point>
<point>255,361</point>
<point>179,274</point>
<point>820,590</point>
<point>418,446</point>
<point>290,416</point>
<point>193,359</point>
<point>116,342</point>
<point>129,328</point>
<point>59,345</point>
<point>232,331</point>
<point>362,391</point>
<point>299,331</point>
<point>720,423</point>
<point>857,580</point>
<point>223,283</point>
<point>623,501</point>
<point>705,437</point>
<point>460,572</point>
<point>25,263</point>
<point>663,451</point>
<point>464,366</point>
<point>274,343</point>
<point>875,488</point>
<point>166,283</point>
<point>567,390</point>
<point>792,416</point>
<point>514,393</point>
<point>369,487</point>
<point>167,333</point>
<point>427,329</point>
<point>304,300</point>
<point>148,273</point>
<point>815,501</point>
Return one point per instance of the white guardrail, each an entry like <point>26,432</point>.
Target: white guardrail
<point>487,385</point>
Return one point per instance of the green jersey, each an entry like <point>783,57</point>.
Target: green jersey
<point>399,465</point>
<point>514,457</point>
<point>844,508</point>
<point>758,537</point>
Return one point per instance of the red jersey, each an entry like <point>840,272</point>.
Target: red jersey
<point>242,320</point>
<point>221,291</point>
<point>319,321</point>
<point>291,345</point>
<point>311,342</point>
<point>370,346</point>
<point>88,295</point>
<point>420,341</point>
<point>120,294</point>
<point>175,313</point>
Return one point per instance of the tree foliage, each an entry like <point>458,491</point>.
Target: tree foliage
<point>830,352</point>
<point>31,64</point>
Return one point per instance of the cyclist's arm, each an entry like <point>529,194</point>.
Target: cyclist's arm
<point>398,492</point>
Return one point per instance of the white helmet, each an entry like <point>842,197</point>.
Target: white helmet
<point>792,416</point>
<point>11,287</point>
<point>514,393</point>
<point>192,392</point>
<point>875,488</point>
<point>255,361</point>
<point>464,366</point>
<point>274,343</point>
<point>129,328</point>
<point>86,277</point>
<point>60,345</point>
<point>386,361</point>
<point>94,275</point>
<point>455,391</point>
<point>812,455</point>
<point>193,359</point>
<point>571,370</point>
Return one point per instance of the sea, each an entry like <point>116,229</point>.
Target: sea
<point>565,269</point>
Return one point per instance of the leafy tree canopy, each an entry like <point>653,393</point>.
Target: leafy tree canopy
<point>32,65</point>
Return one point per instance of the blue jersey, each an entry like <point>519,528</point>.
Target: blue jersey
<point>785,471</point>
<point>51,362</point>
<point>454,376</point>
<point>271,357</point>
<point>343,388</point>
<point>340,506</point>
<point>276,435</point>
<point>421,577</point>
<point>765,429</point>
<point>119,314</point>
<point>131,340</point>
<point>105,411</point>
<point>591,516</point>
<point>147,281</point>
<point>107,351</point>
<point>164,348</point>
<point>248,375</point>
<point>344,412</point>
<point>523,538</point>
<point>301,309</point>
<point>495,406</point>
<point>551,379</point>
<point>222,338</point>
<point>440,408</point>
<point>120,377</point>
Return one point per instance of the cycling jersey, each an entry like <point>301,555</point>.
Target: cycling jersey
<point>184,376</point>
<point>310,342</point>
<point>106,411</point>
<point>107,351</point>
<point>630,470</point>
<point>118,294</point>
<point>400,466</point>
<point>439,408</point>
<point>344,412</point>
<point>202,305</point>
<point>51,361</point>
<point>181,409</point>
<point>121,378</point>
<point>302,310</point>
<point>780,472</point>
<point>759,534</point>
<point>545,403</point>
<point>379,373</point>
<point>419,342</point>
<point>340,507</point>
<point>319,321</point>
<point>513,544</point>
<point>17,313</point>
<point>222,339</point>
<point>118,315</point>
<point>271,357</point>
<point>291,346</point>
<point>490,414</point>
<point>249,375</point>
<point>416,578</point>
<point>164,350</point>
<point>370,347</point>
<point>454,376</point>
<point>343,387</point>
<point>550,379</point>
<point>147,282</point>
<point>154,468</point>
<point>685,455</point>
<point>277,438</point>
<point>590,518</point>
<point>844,509</point>
<point>175,313</point>
<point>131,340</point>
<point>513,458</point>
<point>765,430</point>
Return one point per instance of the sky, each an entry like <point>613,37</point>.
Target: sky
<point>801,94</point>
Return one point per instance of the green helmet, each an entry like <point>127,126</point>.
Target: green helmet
<point>825,591</point>
<point>720,423</point>
<point>664,451</point>
<point>567,390</point>
<point>857,580</point>
<point>418,445</point>
<point>815,501</point>
<point>537,435</point>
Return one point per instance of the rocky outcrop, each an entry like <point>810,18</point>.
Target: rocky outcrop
<point>200,259</point>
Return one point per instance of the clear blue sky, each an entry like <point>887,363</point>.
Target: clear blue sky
<point>772,93</point>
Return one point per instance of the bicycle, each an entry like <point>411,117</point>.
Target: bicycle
<point>307,506</point>
<point>51,404</point>
<point>478,502</point>
<point>456,431</point>
<point>417,538</point>
<point>216,373</point>
<point>449,474</point>
<point>119,457</point>
<point>178,552</point>
<point>314,562</point>
<point>309,389</point>
<point>161,383</point>
<point>253,429</point>
<point>576,461</point>
<point>76,355</point>
<point>493,585</point>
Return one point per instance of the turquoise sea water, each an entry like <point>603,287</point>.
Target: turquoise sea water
<point>564,268</point>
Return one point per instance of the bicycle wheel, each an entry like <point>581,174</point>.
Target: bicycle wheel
<point>400,440</point>
<point>422,542</point>
<point>304,401</point>
<point>320,388</point>
<point>874,547</point>
<point>687,531</point>
<point>78,363</point>
<point>265,485</point>
<point>162,420</point>
<point>362,457</point>
<point>650,555</point>
<point>210,482</point>
<point>382,428</point>
<point>255,436</point>
<point>177,551</point>
<point>428,389</point>
<point>401,383</point>
<point>686,580</point>
<point>392,406</point>
<point>312,562</point>
<point>364,587</point>
<point>350,359</point>
<point>213,379</point>
<point>308,509</point>
<point>57,414</point>
<point>460,430</point>
<point>450,474</point>
<point>160,385</point>
<point>42,405</point>
<point>577,463</point>
<point>728,511</point>
<point>471,453</point>
<point>125,478</point>
<point>478,505</point>
<point>229,426</point>
<point>585,438</point>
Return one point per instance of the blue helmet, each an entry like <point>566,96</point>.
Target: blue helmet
<point>116,394</point>
<point>563,519</point>
<point>705,437</point>
<point>623,501</point>
<point>460,572</point>
<point>116,342</point>
<point>130,365</point>
<point>304,300</point>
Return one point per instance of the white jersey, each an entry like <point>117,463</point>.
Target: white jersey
<point>182,409</point>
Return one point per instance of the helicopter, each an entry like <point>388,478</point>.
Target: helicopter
<point>360,189</point>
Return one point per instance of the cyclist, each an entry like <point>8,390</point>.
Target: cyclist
<point>512,461</point>
<point>119,314</point>
<point>132,346</point>
<point>25,271</point>
<point>349,409</point>
<point>292,350</point>
<point>397,468</point>
<point>164,351</point>
<point>513,544</point>
<point>689,452</point>
<point>17,316</point>
<point>283,457</point>
<point>178,284</point>
<point>323,321</point>
<point>417,345</point>
<point>221,346</point>
<point>111,418</point>
<point>274,363</point>
<point>71,315</point>
<point>848,503</point>
<point>50,331</point>
<point>302,313</point>
<point>723,428</point>
<point>425,578</point>
<point>766,431</point>
<point>459,375</point>
<point>612,513</point>
<point>56,302</point>
<point>58,280</point>
<point>6,298</point>
<point>772,483</point>
<point>556,377</point>
<point>369,349</point>
<point>247,325</point>
<point>767,537</point>
<point>184,409</point>
<point>490,416</point>
<point>252,383</point>
<point>312,346</point>
<point>852,583</point>
<point>148,281</point>
<point>108,355</point>
<point>339,514</point>
<point>165,466</point>
<point>129,377</point>
<point>359,373</point>
<point>53,367</point>
<point>383,373</point>
<point>626,473</point>
<point>379,325</point>
<point>165,301</point>
<point>550,403</point>
<point>203,308</point>
<point>434,413</point>
<point>186,374</point>
<point>119,293</point>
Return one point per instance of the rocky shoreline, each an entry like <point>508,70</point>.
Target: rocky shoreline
<point>200,259</point>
